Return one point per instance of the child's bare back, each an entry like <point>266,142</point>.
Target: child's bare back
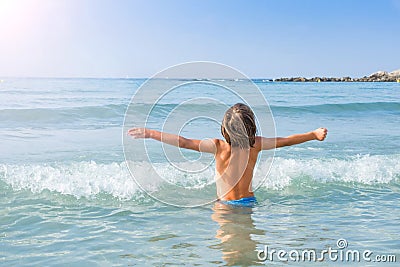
<point>234,171</point>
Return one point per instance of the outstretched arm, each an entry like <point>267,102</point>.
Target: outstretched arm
<point>271,143</point>
<point>206,145</point>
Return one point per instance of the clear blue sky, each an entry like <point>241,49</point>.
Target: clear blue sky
<point>270,38</point>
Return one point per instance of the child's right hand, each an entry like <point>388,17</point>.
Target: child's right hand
<point>139,133</point>
<point>320,134</point>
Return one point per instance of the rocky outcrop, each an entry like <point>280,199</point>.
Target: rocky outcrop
<point>379,76</point>
<point>395,73</point>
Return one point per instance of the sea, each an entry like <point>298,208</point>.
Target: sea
<point>68,197</point>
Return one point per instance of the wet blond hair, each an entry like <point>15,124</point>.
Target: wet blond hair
<point>238,126</point>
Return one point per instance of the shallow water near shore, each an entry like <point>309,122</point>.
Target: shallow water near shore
<point>67,198</point>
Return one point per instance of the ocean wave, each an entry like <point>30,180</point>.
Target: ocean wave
<point>392,107</point>
<point>88,179</point>
<point>367,170</point>
<point>117,111</point>
<point>79,179</point>
<point>66,115</point>
<point>331,108</point>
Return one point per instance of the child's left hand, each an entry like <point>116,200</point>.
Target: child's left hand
<point>139,133</point>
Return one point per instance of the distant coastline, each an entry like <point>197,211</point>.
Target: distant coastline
<point>379,76</point>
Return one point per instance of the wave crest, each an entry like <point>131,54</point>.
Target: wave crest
<point>87,179</point>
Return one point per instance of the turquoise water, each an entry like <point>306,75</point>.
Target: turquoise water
<point>67,198</point>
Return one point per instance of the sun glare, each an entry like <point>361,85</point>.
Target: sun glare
<point>8,7</point>
<point>18,17</point>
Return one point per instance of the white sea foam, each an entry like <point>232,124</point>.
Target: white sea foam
<point>87,179</point>
<point>360,169</point>
<point>81,179</point>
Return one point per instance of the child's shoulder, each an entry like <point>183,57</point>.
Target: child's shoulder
<point>219,143</point>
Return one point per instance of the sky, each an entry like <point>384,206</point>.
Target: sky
<point>263,39</point>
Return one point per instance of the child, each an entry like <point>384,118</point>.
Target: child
<point>235,157</point>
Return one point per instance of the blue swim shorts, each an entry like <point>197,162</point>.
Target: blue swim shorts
<point>243,202</point>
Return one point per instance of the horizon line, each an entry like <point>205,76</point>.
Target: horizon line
<point>171,78</point>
